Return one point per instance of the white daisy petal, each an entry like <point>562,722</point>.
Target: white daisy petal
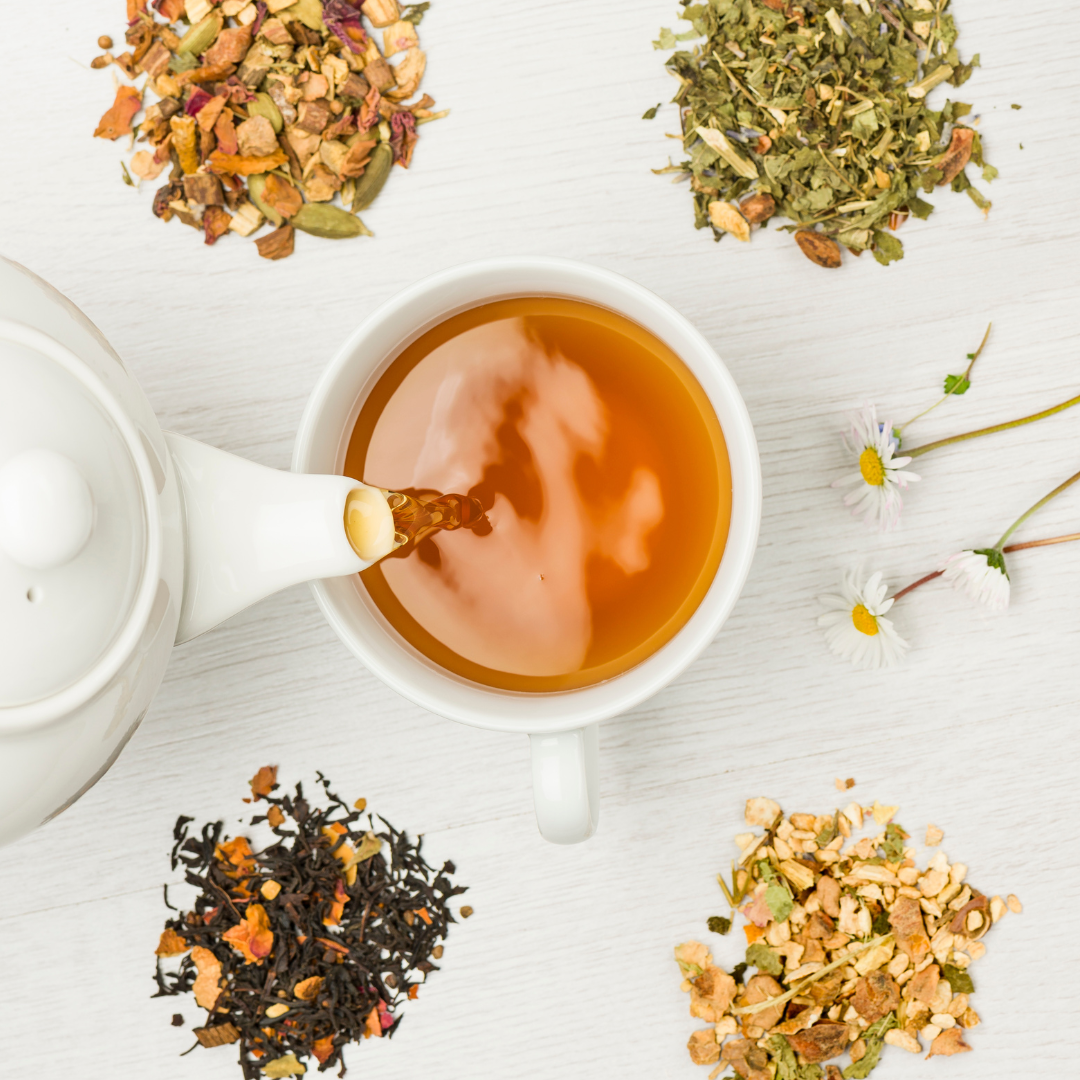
<point>880,477</point>
<point>973,573</point>
<point>854,626</point>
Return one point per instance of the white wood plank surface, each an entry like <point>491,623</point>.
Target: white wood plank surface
<point>565,971</point>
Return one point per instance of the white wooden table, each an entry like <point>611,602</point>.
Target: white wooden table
<point>566,969</point>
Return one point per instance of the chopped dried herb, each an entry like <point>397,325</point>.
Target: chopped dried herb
<point>821,105</point>
<point>309,944</point>
<point>252,92</point>
<point>719,925</point>
<point>865,950</point>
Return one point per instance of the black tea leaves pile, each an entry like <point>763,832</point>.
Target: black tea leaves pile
<point>309,944</point>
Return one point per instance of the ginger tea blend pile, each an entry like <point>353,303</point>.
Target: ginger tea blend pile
<point>815,110</point>
<point>284,112</point>
<point>314,942</point>
<point>856,949</point>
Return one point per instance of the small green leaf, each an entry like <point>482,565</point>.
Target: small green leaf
<point>958,979</point>
<point>759,955</point>
<point>719,925</point>
<point>787,1065</point>
<point>879,1027</point>
<point>881,923</point>
<point>827,834</point>
<point>738,972</point>
<point>956,384</point>
<point>779,901</point>
<point>868,1062</point>
<point>887,248</point>
<point>666,40</point>
<point>650,113</point>
<point>414,13</point>
<point>893,845</point>
<point>765,871</point>
<point>1016,106</point>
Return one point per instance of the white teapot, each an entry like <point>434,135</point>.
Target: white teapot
<point>116,540</point>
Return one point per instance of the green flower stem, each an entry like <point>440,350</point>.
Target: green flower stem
<point>1027,513</point>
<point>920,450</point>
<point>949,393</point>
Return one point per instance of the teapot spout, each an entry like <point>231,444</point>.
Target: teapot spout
<point>251,531</point>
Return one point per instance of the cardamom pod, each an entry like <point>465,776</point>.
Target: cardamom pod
<point>374,176</point>
<point>331,222</point>
<point>202,35</point>
<point>256,184</point>
<point>263,105</point>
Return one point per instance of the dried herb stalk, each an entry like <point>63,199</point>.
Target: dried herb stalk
<point>816,110</point>
<point>313,942</point>
<point>269,111</point>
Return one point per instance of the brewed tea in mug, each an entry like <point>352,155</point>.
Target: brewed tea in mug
<point>603,473</point>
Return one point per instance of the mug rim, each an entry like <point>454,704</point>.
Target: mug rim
<point>371,638</point>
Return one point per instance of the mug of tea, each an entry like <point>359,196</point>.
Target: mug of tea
<point>617,467</point>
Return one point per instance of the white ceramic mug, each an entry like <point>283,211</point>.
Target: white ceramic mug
<point>562,726</point>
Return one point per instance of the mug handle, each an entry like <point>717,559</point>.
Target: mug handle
<point>566,785</point>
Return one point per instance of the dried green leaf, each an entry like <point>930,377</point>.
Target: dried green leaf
<point>759,955</point>
<point>893,845</point>
<point>787,1065</point>
<point>887,248</point>
<point>959,980</point>
<point>718,924</point>
<point>650,113</point>
<point>779,901</point>
<point>414,13</point>
<point>828,833</point>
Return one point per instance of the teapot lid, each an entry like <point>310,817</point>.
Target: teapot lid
<point>79,542</point>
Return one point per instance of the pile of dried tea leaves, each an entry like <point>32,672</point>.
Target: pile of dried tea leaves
<point>816,110</point>
<point>855,948</point>
<point>309,944</point>
<point>269,111</point>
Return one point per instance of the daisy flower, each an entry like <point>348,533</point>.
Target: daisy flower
<point>876,497</point>
<point>855,626</point>
<point>981,574</point>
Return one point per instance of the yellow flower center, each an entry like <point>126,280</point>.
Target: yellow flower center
<point>873,472</point>
<point>864,622</point>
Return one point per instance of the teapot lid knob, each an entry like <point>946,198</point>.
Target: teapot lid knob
<point>46,509</point>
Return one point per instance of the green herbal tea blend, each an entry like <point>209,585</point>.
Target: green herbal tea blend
<point>311,943</point>
<point>855,949</point>
<point>815,110</point>
<point>279,111</point>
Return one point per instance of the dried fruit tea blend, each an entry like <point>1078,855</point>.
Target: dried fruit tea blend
<point>269,111</point>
